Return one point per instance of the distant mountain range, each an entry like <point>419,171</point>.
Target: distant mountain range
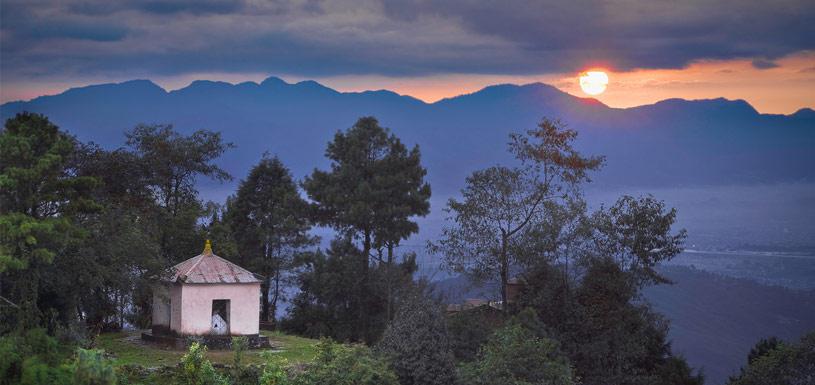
<point>674,142</point>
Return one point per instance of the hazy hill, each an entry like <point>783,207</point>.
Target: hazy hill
<point>673,142</point>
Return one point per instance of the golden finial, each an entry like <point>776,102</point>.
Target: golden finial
<point>207,248</point>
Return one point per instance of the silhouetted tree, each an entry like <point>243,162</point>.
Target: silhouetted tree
<point>498,220</point>
<point>173,162</point>
<point>373,189</point>
<point>636,233</point>
<point>332,295</point>
<point>270,222</point>
<point>609,334</point>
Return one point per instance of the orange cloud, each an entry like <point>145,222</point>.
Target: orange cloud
<point>782,89</point>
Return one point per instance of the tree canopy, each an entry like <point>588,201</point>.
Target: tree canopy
<point>417,342</point>
<point>372,192</point>
<point>502,208</point>
<point>270,222</point>
<point>40,198</point>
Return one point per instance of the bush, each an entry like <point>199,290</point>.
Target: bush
<point>515,355</point>
<point>780,363</point>
<point>31,358</point>
<point>92,368</point>
<point>37,372</point>
<point>417,343</point>
<point>197,370</point>
<point>471,329</point>
<point>344,365</point>
<point>11,359</point>
<point>274,372</point>
<point>239,346</point>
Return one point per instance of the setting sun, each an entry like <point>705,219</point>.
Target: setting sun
<point>593,82</point>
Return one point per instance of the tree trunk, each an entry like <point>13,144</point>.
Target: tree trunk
<point>264,293</point>
<point>364,294</point>
<point>275,296</point>
<point>389,281</point>
<point>504,274</point>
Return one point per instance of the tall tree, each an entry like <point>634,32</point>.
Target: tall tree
<point>491,229</point>
<point>610,334</point>
<point>40,197</point>
<point>330,294</point>
<point>95,282</point>
<point>270,222</point>
<point>373,190</point>
<point>173,163</point>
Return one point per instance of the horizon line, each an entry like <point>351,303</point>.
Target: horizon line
<point>169,89</point>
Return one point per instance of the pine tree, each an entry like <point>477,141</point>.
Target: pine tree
<point>371,193</point>
<point>270,222</point>
<point>40,195</point>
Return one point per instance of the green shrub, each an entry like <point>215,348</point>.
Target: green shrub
<point>32,357</point>
<point>37,372</point>
<point>197,369</point>
<point>345,365</point>
<point>274,371</point>
<point>239,347</point>
<point>515,355</point>
<point>11,359</point>
<point>471,329</point>
<point>417,343</point>
<point>780,363</point>
<point>92,368</point>
<point>238,372</point>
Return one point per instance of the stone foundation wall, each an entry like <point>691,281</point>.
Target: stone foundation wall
<point>256,341</point>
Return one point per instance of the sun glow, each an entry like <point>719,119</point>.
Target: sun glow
<point>593,82</point>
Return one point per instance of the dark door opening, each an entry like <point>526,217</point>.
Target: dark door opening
<point>220,316</point>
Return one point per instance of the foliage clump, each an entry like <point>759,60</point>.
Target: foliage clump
<point>92,368</point>
<point>471,329</point>
<point>269,223</point>
<point>417,342</point>
<point>196,369</point>
<point>335,364</point>
<point>774,362</point>
<point>371,195</point>
<point>338,364</point>
<point>516,355</point>
<point>32,357</point>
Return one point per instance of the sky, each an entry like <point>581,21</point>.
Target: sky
<point>756,50</point>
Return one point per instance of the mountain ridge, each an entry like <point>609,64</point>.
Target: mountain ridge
<point>276,82</point>
<point>685,142</point>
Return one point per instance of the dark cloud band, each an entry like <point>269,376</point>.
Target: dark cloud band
<point>412,37</point>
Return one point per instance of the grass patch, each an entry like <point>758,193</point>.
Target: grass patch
<point>127,348</point>
<point>294,348</point>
